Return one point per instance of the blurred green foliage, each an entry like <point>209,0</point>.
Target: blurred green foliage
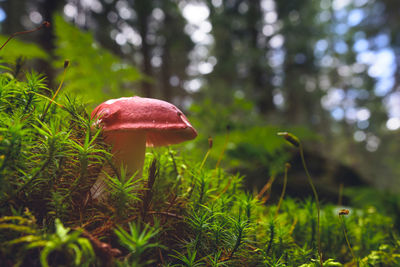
<point>244,138</point>
<point>19,49</point>
<point>95,73</point>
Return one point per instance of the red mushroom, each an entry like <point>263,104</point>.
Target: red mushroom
<point>130,124</point>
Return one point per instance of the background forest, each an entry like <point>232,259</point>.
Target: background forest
<point>328,66</point>
<point>242,70</point>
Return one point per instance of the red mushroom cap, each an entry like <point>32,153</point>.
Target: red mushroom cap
<point>163,123</point>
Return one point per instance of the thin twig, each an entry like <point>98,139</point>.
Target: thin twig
<point>166,214</point>
<point>266,187</point>
<point>287,167</point>
<point>66,64</point>
<point>316,202</point>
<point>44,24</point>
<point>346,237</point>
<point>148,194</point>
<point>223,148</point>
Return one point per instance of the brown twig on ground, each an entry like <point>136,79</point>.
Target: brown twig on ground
<point>266,187</point>
<point>148,194</point>
<point>169,214</point>
<point>103,250</point>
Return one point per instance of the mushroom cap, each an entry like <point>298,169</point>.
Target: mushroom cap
<point>163,123</point>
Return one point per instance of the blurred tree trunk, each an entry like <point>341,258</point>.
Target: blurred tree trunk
<point>175,45</point>
<point>240,49</point>
<point>166,55</point>
<point>14,10</point>
<point>144,9</point>
<point>223,50</point>
<point>300,34</point>
<point>259,69</point>
<point>103,29</point>
<point>294,106</point>
<point>46,37</point>
<point>166,71</point>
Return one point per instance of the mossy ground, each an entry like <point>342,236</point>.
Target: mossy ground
<point>179,214</point>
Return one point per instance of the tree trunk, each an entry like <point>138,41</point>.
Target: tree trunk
<point>262,89</point>
<point>294,109</point>
<point>14,10</point>
<point>143,9</point>
<point>166,62</point>
<point>46,37</point>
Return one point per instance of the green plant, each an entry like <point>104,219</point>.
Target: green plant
<point>327,263</point>
<point>287,167</point>
<point>240,227</point>
<point>215,260</point>
<point>293,140</point>
<point>341,213</point>
<point>123,190</point>
<point>138,241</point>
<point>200,223</point>
<point>52,100</point>
<point>80,251</point>
<point>63,244</point>
<point>88,153</point>
<point>385,255</point>
<point>188,260</point>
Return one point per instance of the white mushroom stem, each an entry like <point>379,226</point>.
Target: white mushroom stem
<point>128,149</point>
